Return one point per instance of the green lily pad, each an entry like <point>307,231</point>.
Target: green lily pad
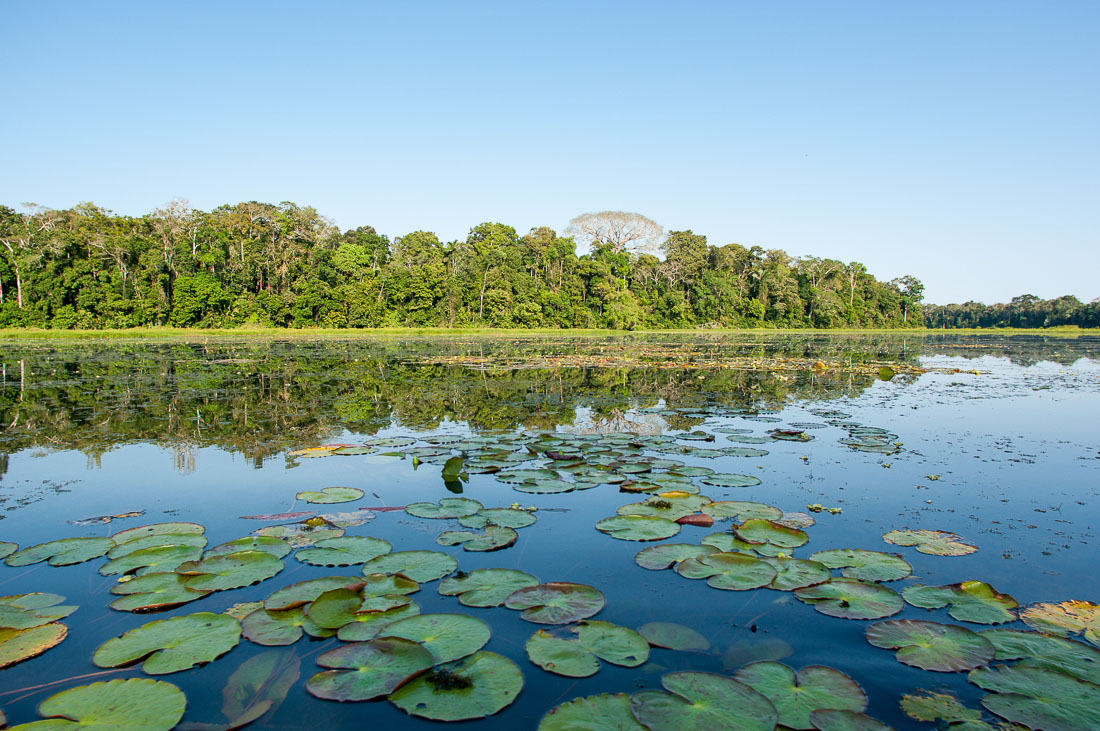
<point>831,719</point>
<point>172,645</point>
<point>693,471</point>
<point>944,648</point>
<point>448,507</point>
<point>1043,651</point>
<point>740,510</point>
<point>331,495</point>
<point>638,527</point>
<point>815,687</point>
<point>149,560</point>
<point>851,599</point>
<point>730,571</point>
<point>671,505</point>
<point>344,551</point>
<point>142,704</point>
<point>579,658</point>
<point>63,552</point>
<point>606,712</point>
<point>703,701</point>
<point>473,687</point>
<point>367,670</point>
<point>7,548</point>
<point>154,592</point>
<point>337,607</point>
<point>446,636</point>
<point>867,565</point>
<point>24,611</point>
<point>1039,699</point>
<point>725,479</point>
<point>796,573</point>
<point>275,546</point>
<point>929,706</point>
<point>279,628</point>
<point>420,566</point>
<point>486,587</point>
<point>1065,619</point>
<point>494,538</point>
<point>503,517</point>
<point>673,636</point>
<point>302,533</point>
<point>17,645</point>
<point>557,602</point>
<point>230,571</point>
<point>142,531</point>
<point>759,530</point>
<point>368,625</point>
<point>387,584</point>
<point>549,486</point>
<point>666,555</point>
<point>933,542</point>
<point>729,543</point>
<point>157,539</point>
<point>970,601</point>
<point>302,593</point>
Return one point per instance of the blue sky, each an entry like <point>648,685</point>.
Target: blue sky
<point>955,141</point>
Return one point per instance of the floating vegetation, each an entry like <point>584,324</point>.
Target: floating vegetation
<point>331,495</point>
<point>867,565</point>
<point>968,601</point>
<point>703,700</point>
<point>172,645</point>
<point>420,566</point>
<point>494,538</point>
<point>1064,619</point>
<point>797,695</point>
<point>603,711</point>
<point>558,602</point>
<point>366,670</point>
<point>580,657</point>
<point>945,648</point>
<point>486,683</point>
<point>851,599</point>
<point>446,636</point>
<point>933,542</point>
<point>486,587</point>
<point>133,703</point>
<point>1039,698</point>
<point>344,551</point>
<point>63,552</point>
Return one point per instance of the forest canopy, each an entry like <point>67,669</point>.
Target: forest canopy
<point>286,265</point>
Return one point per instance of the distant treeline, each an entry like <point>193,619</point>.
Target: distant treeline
<point>1027,310</point>
<point>287,266</point>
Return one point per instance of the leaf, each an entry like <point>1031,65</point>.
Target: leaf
<point>577,658</point>
<point>63,552</point>
<point>302,593</point>
<point>729,571</point>
<point>142,531</point>
<point>740,510</point>
<point>453,469</point>
<point>828,719</point>
<point>702,701</point>
<point>366,670</point>
<point>931,706</point>
<point>448,507</point>
<point>275,546</point>
<point>494,538</point>
<point>557,602</point>
<point>673,636</point>
<point>666,555</point>
<point>157,539</point>
<point>638,528</point>
<point>815,687</point>
<point>331,495</point>
<point>17,645</point>
<point>280,628</point>
<point>730,480</point>
<point>142,704</point>
<point>344,551</point>
<point>1039,699</point>
<point>303,533</point>
<point>759,530</point>
<point>149,560</point>
<point>934,542</point>
<point>486,587</point>
<point>606,712</point>
<point>851,599</point>
<point>420,566</point>
<point>154,592</point>
<point>446,636</point>
<point>24,611</point>
<point>503,517</point>
<point>1043,651</point>
<point>930,645</point>
<point>473,687</point>
<point>970,601</point>
<point>229,571</point>
<point>172,645</point>
<point>1064,619</point>
<point>866,565</point>
<point>796,573</point>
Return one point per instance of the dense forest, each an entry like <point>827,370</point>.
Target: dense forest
<point>286,265</point>
<point>1027,311</point>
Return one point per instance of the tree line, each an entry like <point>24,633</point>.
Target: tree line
<point>286,265</point>
<point>1025,311</point>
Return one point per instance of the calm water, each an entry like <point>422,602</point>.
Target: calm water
<point>201,432</point>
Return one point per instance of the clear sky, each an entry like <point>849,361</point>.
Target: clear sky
<point>955,141</point>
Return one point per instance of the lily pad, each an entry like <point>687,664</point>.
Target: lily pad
<point>638,527</point>
<point>486,587</point>
<point>172,645</point>
<point>557,602</point>
<point>302,593</point>
<point>928,706</point>
<point>344,551</point>
<point>933,542</point>
<point>730,543</point>
<point>154,592</point>
<point>577,658</point>
<point>24,611</point>
<point>230,571</point>
<point>446,508</point>
<point>63,552</point>
<point>851,599</point>
<point>795,697</point>
<point>17,645</point>
<point>366,670</point>
<point>331,495</point>
<point>503,517</point>
<point>284,627</point>
<point>666,555</point>
<point>368,625</point>
<point>473,687</point>
<point>1039,699</point>
<point>867,565</point>
<point>420,566</point>
<point>673,636</point>
<point>302,533</point>
<point>741,510</point>
<point>149,560</point>
<point>1043,651</point>
<point>703,701</point>
<point>797,573</point>
<point>944,648</point>
<point>157,539</point>
<point>725,479</point>
<point>7,548</point>
<point>730,571</point>
<point>969,601</point>
<point>759,530</point>
<point>1065,619</point>
<point>275,546</point>
<point>446,636</point>
<point>142,531</point>
<point>830,719</point>
<point>135,703</point>
<point>606,712</point>
<point>494,538</point>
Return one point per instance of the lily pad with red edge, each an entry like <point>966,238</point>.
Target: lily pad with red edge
<point>944,648</point>
<point>969,601</point>
<point>486,587</point>
<point>172,645</point>
<point>133,703</point>
<point>697,700</point>
<point>558,602</point>
<point>606,711</point>
<point>149,560</point>
<point>932,542</point>
<point>275,546</point>
<point>63,552</point>
<point>331,495</point>
<point>141,531</point>
<point>927,706</point>
<point>363,671</point>
<point>473,687</point>
<point>284,627</point>
<point>796,573</point>
<point>851,599</point>
<point>725,479</point>
<point>795,696</point>
<point>858,563</point>
<point>446,636</point>
<point>1065,619</point>
<point>759,530</point>
<point>1038,698</point>
<point>24,611</point>
<point>154,592</point>
<point>229,571</point>
<point>1033,649</point>
<point>666,555</point>
<point>368,625</point>
<point>494,538</point>
<point>446,508</point>
<point>17,645</point>
<point>420,566</point>
<point>344,551</point>
<point>741,510</point>
<point>303,592</point>
<point>503,517</point>
<point>158,539</point>
<point>829,719</point>
<point>729,571</point>
<point>673,636</point>
<point>638,527</point>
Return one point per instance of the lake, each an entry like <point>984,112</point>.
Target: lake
<point>789,444</point>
